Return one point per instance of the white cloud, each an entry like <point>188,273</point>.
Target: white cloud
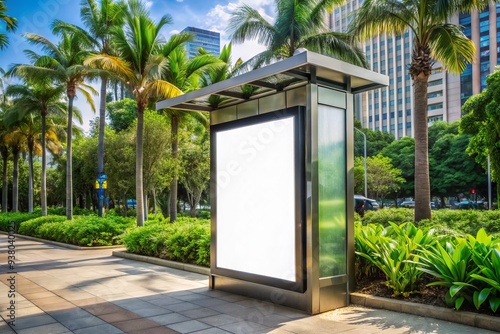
<point>149,4</point>
<point>173,32</point>
<point>217,19</point>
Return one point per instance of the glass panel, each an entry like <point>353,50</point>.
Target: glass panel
<point>332,191</point>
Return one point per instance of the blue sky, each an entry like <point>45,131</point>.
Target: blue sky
<point>36,16</point>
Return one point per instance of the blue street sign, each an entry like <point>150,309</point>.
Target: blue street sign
<point>102,177</point>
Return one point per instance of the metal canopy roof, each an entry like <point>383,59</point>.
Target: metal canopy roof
<point>295,71</point>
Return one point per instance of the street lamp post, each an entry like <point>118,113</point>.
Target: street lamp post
<point>364,138</point>
<point>489,184</point>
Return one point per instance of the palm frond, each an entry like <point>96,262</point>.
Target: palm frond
<point>112,64</point>
<point>87,95</point>
<point>162,89</point>
<point>246,23</point>
<point>451,47</point>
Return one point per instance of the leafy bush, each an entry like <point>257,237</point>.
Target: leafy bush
<point>30,227</point>
<point>393,250</point>
<point>186,240</point>
<point>86,231</point>
<point>17,217</point>
<point>384,216</point>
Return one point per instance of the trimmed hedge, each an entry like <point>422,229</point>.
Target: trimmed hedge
<point>17,217</point>
<point>445,221</point>
<point>187,240</point>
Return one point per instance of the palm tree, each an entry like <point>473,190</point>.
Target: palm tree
<point>10,23</point>
<point>43,100</point>
<point>63,63</point>
<point>4,152</point>
<point>185,74</point>
<point>139,66</point>
<point>298,24</point>
<point>15,142</point>
<point>434,40</point>
<point>99,21</point>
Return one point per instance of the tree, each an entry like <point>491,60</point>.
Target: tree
<point>10,24</point>
<point>196,176</point>
<point>63,63</point>
<point>185,74</point>
<point>99,21</point>
<point>480,120</point>
<point>139,66</point>
<point>383,178</point>
<point>15,142</point>
<point>376,141</point>
<point>434,39</point>
<point>122,114</point>
<point>298,24</point>
<point>402,155</point>
<point>45,100</point>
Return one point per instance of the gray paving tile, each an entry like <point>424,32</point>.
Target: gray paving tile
<point>101,329</point>
<point>79,323</point>
<point>34,321</point>
<point>151,311</point>
<point>197,313</point>
<point>213,330</point>
<point>209,302</point>
<point>170,318</point>
<point>69,314</point>
<point>55,328</point>
<point>182,307</point>
<point>165,301</point>
<point>245,327</point>
<point>188,326</point>
<point>219,320</point>
<point>132,304</point>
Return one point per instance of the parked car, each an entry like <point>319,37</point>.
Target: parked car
<point>407,204</point>
<point>362,203</point>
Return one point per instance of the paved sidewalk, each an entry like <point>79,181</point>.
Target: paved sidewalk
<point>89,291</point>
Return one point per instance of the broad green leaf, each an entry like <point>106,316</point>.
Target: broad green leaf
<point>458,302</point>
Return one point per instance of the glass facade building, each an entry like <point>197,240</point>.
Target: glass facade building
<point>206,39</point>
<point>390,109</point>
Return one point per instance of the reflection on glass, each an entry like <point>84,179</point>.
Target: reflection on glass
<point>332,191</point>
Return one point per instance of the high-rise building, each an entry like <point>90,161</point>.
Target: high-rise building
<point>206,39</point>
<point>390,109</point>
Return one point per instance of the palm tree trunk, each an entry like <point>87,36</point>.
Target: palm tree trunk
<point>30,179</point>
<point>15,181</point>
<point>100,149</point>
<point>175,152</point>
<point>139,190</point>
<point>146,206</point>
<point>422,184</point>
<point>43,193</point>
<point>69,161</point>
<point>5,185</point>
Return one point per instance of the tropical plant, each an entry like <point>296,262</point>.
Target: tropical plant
<point>139,65</point>
<point>452,265</point>
<point>99,21</point>
<point>434,39</point>
<point>185,74</point>
<point>45,100</point>
<point>298,24</point>
<point>394,252</point>
<point>62,62</point>
<point>10,24</point>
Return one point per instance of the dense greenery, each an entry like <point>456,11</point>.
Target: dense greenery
<point>186,240</point>
<point>468,266</point>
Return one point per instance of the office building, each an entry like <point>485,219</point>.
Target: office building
<point>390,109</point>
<point>206,39</point>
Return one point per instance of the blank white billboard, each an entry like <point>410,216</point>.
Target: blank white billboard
<point>255,170</point>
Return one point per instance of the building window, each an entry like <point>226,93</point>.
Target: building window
<point>435,106</point>
<point>377,118</point>
<point>400,113</point>
<point>435,94</point>
<point>408,112</point>
<point>384,116</point>
<point>408,125</point>
<point>435,83</point>
<point>392,114</point>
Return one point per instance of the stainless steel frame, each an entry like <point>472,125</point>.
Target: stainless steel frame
<point>306,80</point>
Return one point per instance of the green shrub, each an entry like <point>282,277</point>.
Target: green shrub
<point>384,216</point>
<point>30,227</point>
<point>86,230</point>
<point>393,250</point>
<point>17,217</point>
<point>186,240</point>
